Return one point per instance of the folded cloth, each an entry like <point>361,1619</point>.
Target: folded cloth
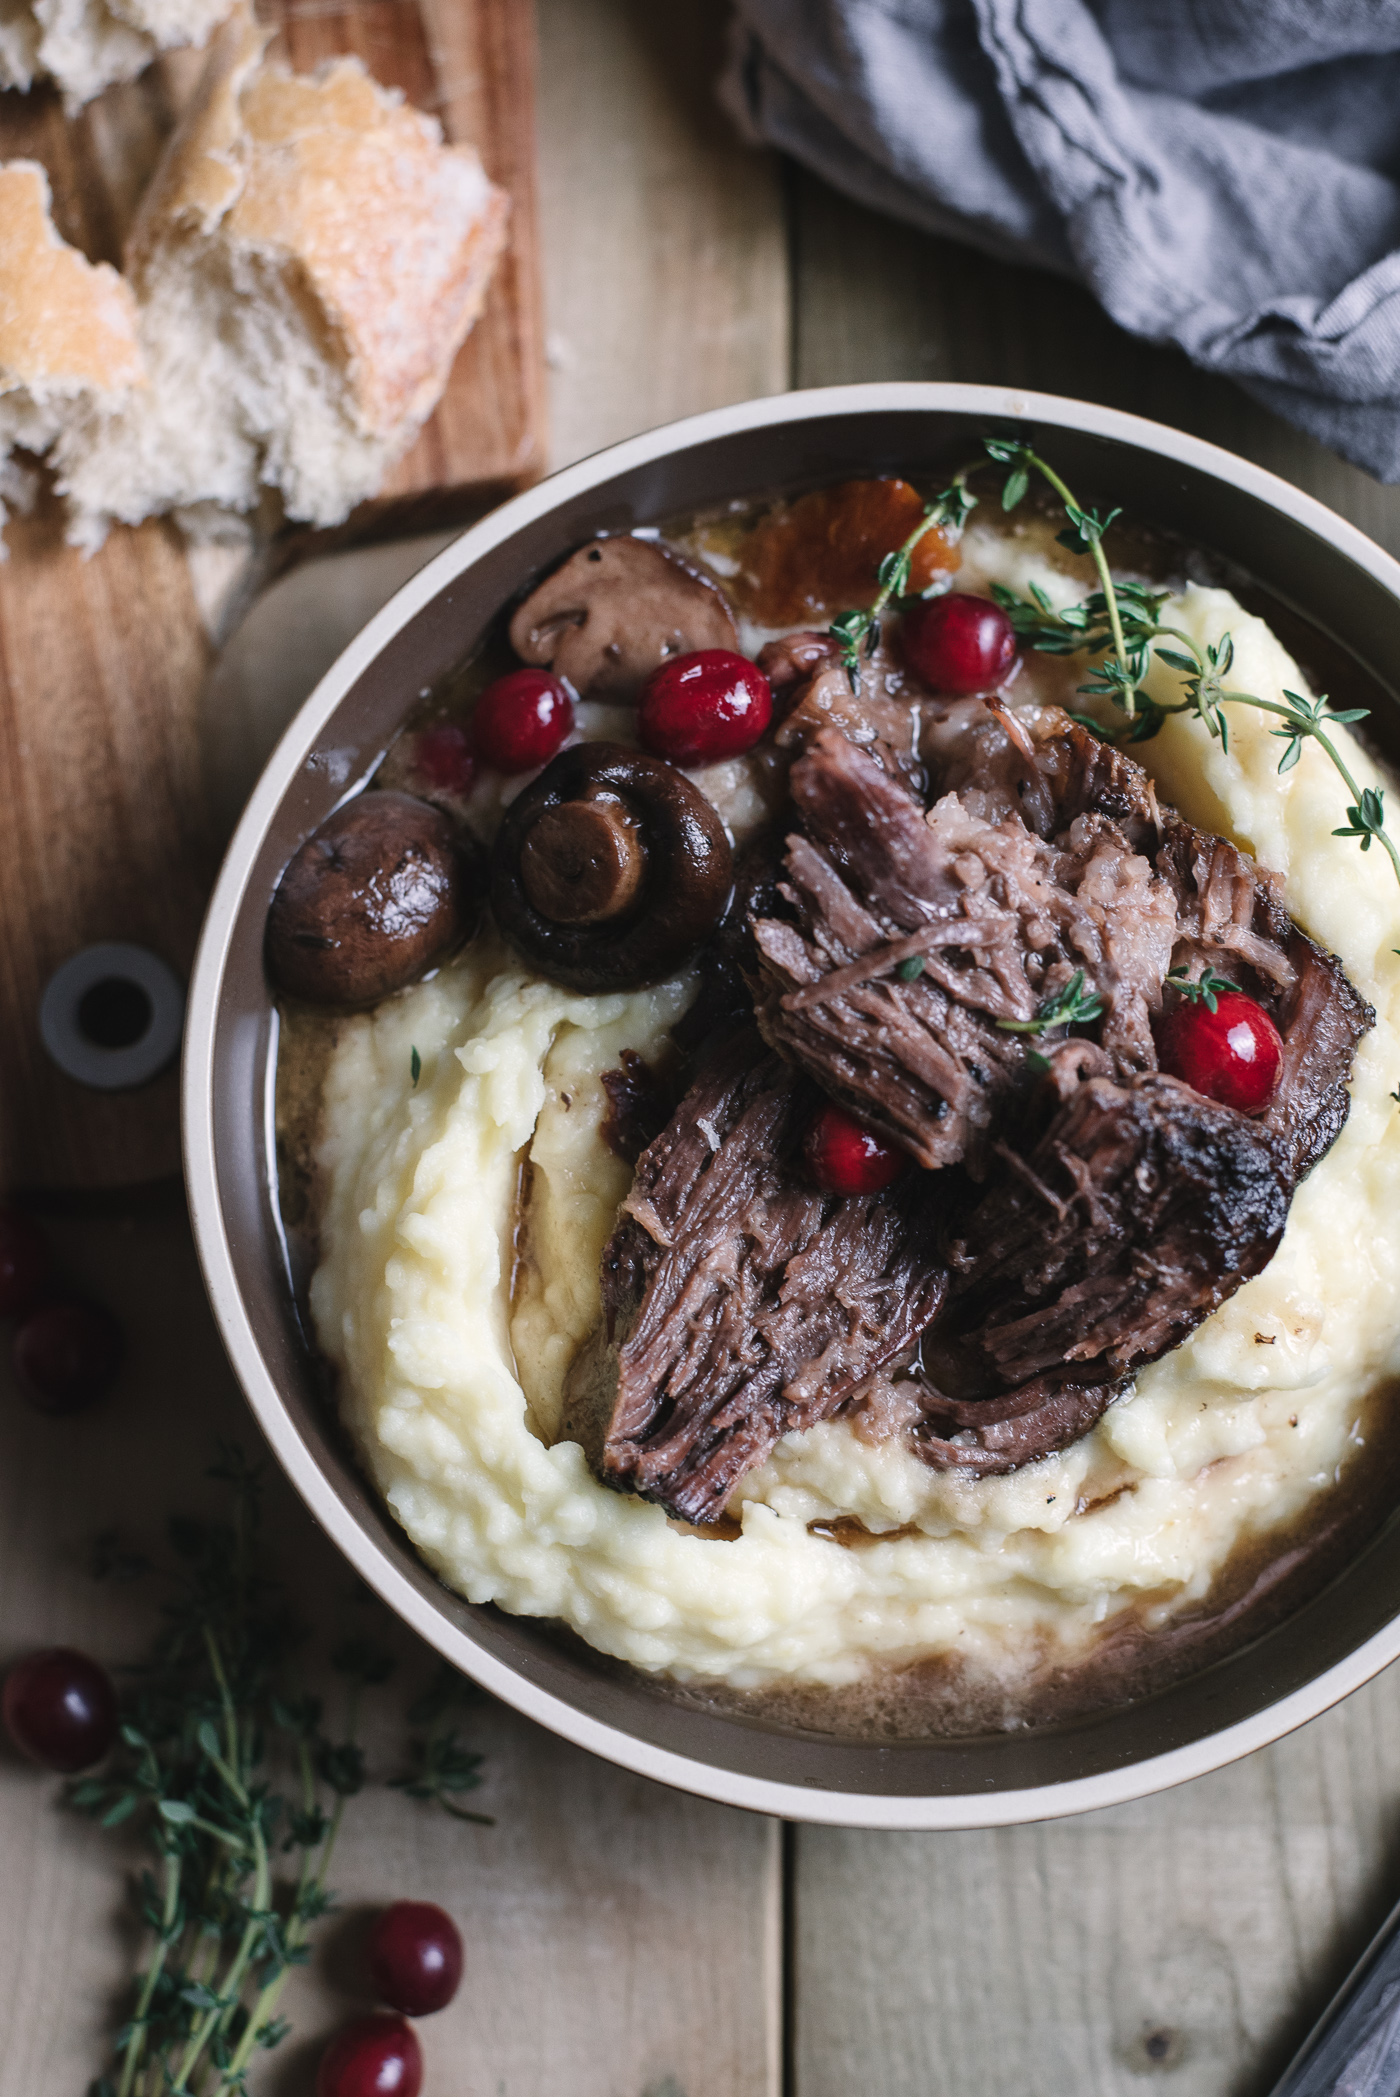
<point>1222,174</point>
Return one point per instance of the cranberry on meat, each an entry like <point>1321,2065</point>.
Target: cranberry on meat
<point>373,2057</point>
<point>415,1957</point>
<point>1233,1054</point>
<point>845,1157</point>
<point>700,707</point>
<point>959,643</point>
<point>60,1709</point>
<point>522,719</point>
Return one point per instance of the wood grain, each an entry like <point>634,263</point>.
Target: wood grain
<point>1192,1937</point>
<point>667,285</point>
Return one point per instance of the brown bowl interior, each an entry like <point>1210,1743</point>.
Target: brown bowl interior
<point>1342,620</point>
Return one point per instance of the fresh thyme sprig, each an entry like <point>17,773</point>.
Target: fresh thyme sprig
<point>1072,1006</point>
<point>442,1768</point>
<point>859,632</point>
<point>1205,989</point>
<point>207,1722</point>
<point>1119,624</point>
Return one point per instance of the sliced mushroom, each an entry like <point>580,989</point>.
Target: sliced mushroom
<point>372,900</point>
<point>610,870</point>
<point>614,611</point>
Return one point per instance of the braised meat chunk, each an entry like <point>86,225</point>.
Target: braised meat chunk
<point>994,918</point>
<point>1231,916</point>
<point>1140,1209</point>
<point>739,1301</point>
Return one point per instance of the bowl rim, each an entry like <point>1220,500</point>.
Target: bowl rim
<point>368,1553</point>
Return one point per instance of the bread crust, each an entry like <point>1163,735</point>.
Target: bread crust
<point>66,324</point>
<point>386,236</point>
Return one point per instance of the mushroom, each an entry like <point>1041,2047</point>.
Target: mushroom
<point>610,870</point>
<point>614,611</point>
<point>371,901</point>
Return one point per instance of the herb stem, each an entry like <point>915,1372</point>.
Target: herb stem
<point>136,2043</point>
<point>1110,595</point>
<point>858,631</point>
<point>266,2001</point>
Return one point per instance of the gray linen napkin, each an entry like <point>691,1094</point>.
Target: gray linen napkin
<point>1223,174</point>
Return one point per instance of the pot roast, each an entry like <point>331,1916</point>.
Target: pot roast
<point>1070,1212</point>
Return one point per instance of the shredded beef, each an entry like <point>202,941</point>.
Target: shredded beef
<point>739,1301</point>
<point>814,693</point>
<point>998,918</point>
<point>1097,1211</point>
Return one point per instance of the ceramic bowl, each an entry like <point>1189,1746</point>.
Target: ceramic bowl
<point>1311,562</point>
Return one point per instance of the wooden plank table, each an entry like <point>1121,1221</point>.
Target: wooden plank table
<point>623,1941</point>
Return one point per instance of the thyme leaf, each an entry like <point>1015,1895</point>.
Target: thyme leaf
<point>1118,626</point>
<point>1205,989</point>
<point>1072,1006</point>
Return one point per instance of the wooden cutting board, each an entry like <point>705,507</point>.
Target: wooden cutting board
<point>104,829</point>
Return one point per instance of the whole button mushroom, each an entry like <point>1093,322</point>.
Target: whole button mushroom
<point>614,611</point>
<point>373,900</point>
<point>610,870</point>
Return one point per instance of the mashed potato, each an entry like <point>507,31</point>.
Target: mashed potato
<point>451,1379</point>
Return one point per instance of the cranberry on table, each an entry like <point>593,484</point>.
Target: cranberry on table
<point>60,1709</point>
<point>522,719</point>
<point>698,708</point>
<point>24,1263</point>
<point>415,1957</point>
<point>1233,1054</point>
<point>444,759</point>
<point>959,643</point>
<point>68,1355</point>
<point>373,2057</point>
<point>845,1157</point>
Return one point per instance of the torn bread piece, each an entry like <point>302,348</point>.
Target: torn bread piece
<point>84,46</point>
<point>68,330</point>
<point>308,261</point>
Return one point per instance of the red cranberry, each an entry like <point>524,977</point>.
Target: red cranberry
<point>959,643</point>
<point>1233,1055</point>
<point>24,1263</point>
<point>415,1957</point>
<point>697,708</point>
<point>68,1355</point>
<point>443,758</point>
<point>845,1157</point>
<point>373,2057</point>
<point>522,719</point>
<point>60,1708</point>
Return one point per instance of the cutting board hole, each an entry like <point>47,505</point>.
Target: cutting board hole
<point>111,1016</point>
<point>115,1014</point>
